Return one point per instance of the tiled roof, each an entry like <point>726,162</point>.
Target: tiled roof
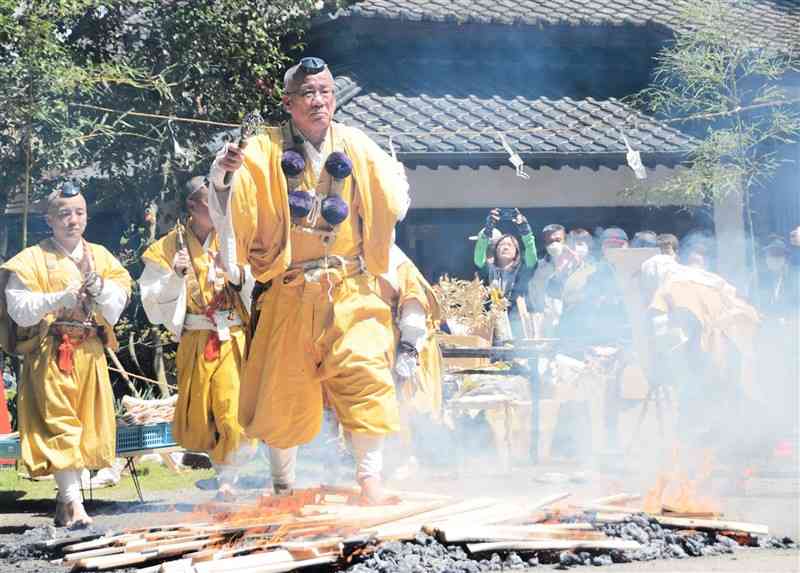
<point>467,121</point>
<point>778,19</point>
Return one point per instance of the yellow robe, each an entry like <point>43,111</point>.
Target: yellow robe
<point>330,335</point>
<point>65,420</point>
<point>424,394</point>
<point>206,414</point>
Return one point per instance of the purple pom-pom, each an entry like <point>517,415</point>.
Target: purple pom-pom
<point>334,209</point>
<point>300,203</point>
<point>292,163</point>
<point>338,165</point>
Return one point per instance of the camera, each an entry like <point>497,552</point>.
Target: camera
<point>507,213</point>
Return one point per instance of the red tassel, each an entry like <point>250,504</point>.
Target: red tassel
<point>211,351</point>
<point>65,355</point>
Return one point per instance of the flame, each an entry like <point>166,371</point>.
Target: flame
<point>676,492</point>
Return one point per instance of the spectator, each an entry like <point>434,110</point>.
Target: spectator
<point>503,265</point>
<point>668,243</point>
<point>643,239</point>
<point>594,312</point>
<point>776,294</point>
<point>613,238</point>
<point>544,290</point>
<point>696,250</point>
<point>581,242</point>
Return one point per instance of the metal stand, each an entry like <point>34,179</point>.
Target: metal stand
<point>529,352</point>
<point>130,465</point>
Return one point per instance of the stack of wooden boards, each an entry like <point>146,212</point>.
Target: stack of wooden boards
<point>323,525</point>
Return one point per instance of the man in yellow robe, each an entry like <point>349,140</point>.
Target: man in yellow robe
<point>706,334</point>
<point>322,326</point>
<point>418,364</point>
<point>185,288</point>
<point>64,295</point>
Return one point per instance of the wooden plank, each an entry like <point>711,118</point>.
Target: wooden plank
<point>113,561</point>
<point>552,545</point>
<point>620,498</point>
<point>712,524</point>
<point>282,567</point>
<point>244,562</point>
<point>464,534</point>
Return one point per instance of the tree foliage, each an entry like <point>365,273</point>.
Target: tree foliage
<point>62,59</point>
<point>726,86</point>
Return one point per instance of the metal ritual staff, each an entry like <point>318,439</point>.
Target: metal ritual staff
<point>250,125</point>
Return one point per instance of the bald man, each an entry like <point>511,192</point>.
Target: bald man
<point>185,288</point>
<point>64,295</point>
<point>314,204</point>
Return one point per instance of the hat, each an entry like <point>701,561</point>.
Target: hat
<point>66,190</point>
<point>644,239</point>
<point>613,234</point>
<point>776,244</point>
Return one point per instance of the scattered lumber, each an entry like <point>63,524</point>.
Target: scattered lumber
<point>461,534</point>
<point>553,545</point>
<point>712,525</point>
<point>320,526</point>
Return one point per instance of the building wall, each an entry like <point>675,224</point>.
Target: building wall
<point>465,187</point>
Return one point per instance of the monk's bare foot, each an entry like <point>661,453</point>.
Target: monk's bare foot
<point>372,493</point>
<point>76,516</point>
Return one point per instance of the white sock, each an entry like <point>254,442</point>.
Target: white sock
<point>69,485</point>
<point>283,466</point>
<point>368,451</point>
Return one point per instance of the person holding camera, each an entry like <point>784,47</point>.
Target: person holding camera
<point>505,267</point>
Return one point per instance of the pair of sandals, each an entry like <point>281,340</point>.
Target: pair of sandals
<point>74,517</point>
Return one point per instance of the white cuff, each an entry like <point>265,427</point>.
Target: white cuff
<point>283,466</point>
<point>413,324</point>
<point>368,452</point>
<point>27,308</point>
<point>216,176</point>
<point>111,300</point>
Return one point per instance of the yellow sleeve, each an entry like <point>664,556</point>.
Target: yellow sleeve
<point>260,208</point>
<point>162,251</point>
<point>381,197</point>
<point>111,269</point>
<point>29,267</point>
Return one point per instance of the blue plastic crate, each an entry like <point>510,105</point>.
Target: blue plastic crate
<point>9,447</point>
<point>131,438</point>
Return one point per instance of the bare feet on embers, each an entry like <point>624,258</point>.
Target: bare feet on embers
<point>372,492</point>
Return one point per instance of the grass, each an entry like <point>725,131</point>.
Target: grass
<point>153,477</point>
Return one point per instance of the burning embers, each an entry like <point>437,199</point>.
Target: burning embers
<point>325,526</point>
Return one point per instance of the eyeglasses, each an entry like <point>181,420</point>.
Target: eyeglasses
<point>309,93</point>
<point>311,65</point>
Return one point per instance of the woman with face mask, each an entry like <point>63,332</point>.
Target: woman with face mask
<point>505,265</point>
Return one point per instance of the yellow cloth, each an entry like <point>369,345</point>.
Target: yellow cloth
<point>260,206</point>
<point>206,414</point>
<point>424,394</point>
<point>65,421</point>
<point>724,320</point>
<point>331,334</point>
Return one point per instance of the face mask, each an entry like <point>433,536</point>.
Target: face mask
<point>555,249</point>
<point>581,249</point>
<point>775,263</point>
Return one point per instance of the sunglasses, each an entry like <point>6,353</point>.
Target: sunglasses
<point>311,65</point>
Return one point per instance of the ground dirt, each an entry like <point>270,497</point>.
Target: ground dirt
<point>25,521</point>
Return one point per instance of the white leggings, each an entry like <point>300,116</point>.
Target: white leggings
<point>367,450</point>
<point>69,485</point>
